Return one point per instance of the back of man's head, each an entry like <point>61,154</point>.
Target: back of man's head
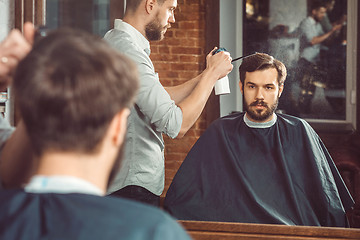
<point>317,4</point>
<point>69,88</point>
<point>262,61</point>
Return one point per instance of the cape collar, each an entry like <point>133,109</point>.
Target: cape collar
<point>252,124</point>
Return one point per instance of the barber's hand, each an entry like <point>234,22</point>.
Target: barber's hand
<point>336,27</point>
<point>220,63</point>
<point>342,20</point>
<point>12,50</point>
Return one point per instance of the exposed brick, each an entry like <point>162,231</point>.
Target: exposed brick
<point>184,66</point>
<point>180,34</point>
<point>161,67</point>
<point>195,33</point>
<point>190,58</point>
<point>164,58</point>
<point>169,75</point>
<point>169,34</point>
<point>165,82</point>
<point>173,42</point>
<point>154,49</point>
<point>164,49</point>
<point>187,75</point>
<point>186,50</point>
<point>190,24</point>
<point>173,164</point>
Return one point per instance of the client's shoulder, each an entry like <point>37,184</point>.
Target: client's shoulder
<point>227,121</point>
<point>232,117</point>
<point>291,119</point>
<point>294,122</point>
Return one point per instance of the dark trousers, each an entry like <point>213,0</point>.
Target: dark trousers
<point>138,193</point>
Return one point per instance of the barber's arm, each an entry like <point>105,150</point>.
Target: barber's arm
<point>16,164</point>
<point>322,38</point>
<point>180,92</point>
<point>217,66</point>
<point>12,50</point>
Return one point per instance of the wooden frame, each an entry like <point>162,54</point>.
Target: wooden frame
<point>29,11</point>
<point>212,36</point>
<point>199,230</point>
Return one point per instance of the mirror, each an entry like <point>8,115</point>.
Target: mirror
<point>97,16</point>
<point>57,14</point>
<point>314,89</point>
<point>323,92</point>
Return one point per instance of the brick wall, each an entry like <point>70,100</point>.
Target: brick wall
<point>178,58</point>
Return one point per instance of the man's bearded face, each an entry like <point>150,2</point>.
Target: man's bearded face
<point>259,110</point>
<point>155,31</point>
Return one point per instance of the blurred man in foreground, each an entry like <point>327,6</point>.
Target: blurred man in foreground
<point>74,93</point>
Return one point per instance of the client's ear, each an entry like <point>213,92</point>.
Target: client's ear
<point>281,88</point>
<point>241,87</point>
<point>119,126</point>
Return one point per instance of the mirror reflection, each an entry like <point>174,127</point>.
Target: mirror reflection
<point>94,17</point>
<point>315,85</point>
<point>311,41</point>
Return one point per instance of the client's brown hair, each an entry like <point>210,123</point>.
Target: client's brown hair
<point>262,61</point>
<point>69,88</point>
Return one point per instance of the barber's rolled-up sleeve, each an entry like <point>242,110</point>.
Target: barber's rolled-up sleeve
<point>310,29</point>
<point>155,103</point>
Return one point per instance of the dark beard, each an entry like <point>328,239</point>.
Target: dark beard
<point>153,30</point>
<point>260,115</point>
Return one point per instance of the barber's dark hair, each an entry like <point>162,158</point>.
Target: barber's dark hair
<point>132,5</point>
<point>262,61</point>
<point>69,88</point>
<point>316,4</point>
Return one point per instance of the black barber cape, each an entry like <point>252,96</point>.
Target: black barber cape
<point>34,216</point>
<point>282,174</point>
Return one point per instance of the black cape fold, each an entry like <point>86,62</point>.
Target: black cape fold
<point>74,216</point>
<point>277,175</point>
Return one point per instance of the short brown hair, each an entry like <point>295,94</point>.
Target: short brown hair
<point>69,88</point>
<point>262,61</point>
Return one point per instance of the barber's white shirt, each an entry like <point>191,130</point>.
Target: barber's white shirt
<point>153,115</point>
<point>309,28</point>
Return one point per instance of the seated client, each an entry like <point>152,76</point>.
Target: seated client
<point>259,166</point>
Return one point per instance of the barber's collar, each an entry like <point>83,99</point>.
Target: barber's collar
<point>139,39</point>
<point>313,21</point>
<point>252,124</point>
<point>61,184</point>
